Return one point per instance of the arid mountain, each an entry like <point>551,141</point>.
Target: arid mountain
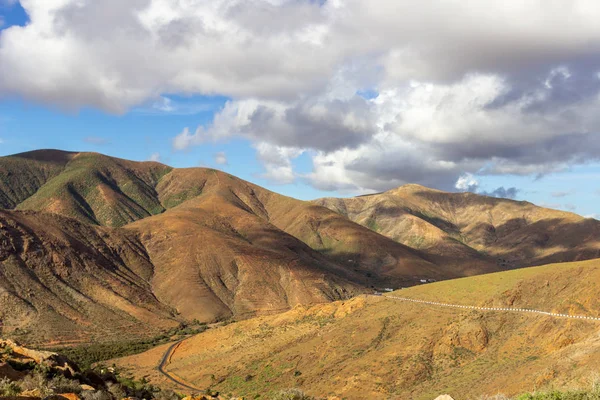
<point>382,348</point>
<point>95,245</point>
<point>512,234</point>
<point>62,281</point>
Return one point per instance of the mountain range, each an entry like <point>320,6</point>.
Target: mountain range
<point>94,247</point>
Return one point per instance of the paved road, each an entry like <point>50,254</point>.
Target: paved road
<point>166,359</point>
<point>508,309</point>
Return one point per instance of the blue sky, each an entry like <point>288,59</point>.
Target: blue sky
<point>136,135</point>
<point>336,123</point>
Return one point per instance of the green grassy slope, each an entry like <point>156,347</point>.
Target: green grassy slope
<point>22,175</point>
<point>102,190</point>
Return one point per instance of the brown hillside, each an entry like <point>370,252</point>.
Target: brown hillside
<point>377,347</point>
<point>148,241</point>
<point>62,281</point>
<point>102,190</point>
<point>461,225</point>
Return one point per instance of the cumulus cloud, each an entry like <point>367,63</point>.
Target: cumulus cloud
<point>509,88</point>
<point>154,157</point>
<point>469,183</point>
<point>318,124</point>
<point>221,158</point>
<point>277,161</point>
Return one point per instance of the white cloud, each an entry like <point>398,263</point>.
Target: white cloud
<point>154,157</point>
<point>509,88</point>
<point>466,183</point>
<point>221,158</point>
<point>277,162</point>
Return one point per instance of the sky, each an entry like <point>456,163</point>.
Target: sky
<point>317,98</point>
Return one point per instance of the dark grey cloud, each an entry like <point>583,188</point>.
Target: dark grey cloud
<point>320,124</point>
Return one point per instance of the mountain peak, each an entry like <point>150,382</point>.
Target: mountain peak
<point>414,187</point>
<point>47,155</point>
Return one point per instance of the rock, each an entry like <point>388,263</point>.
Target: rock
<point>6,371</point>
<point>444,397</point>
<point>64,396</point>
<point>32,393</point>
<point>47,358</point>
<point>199,397</point>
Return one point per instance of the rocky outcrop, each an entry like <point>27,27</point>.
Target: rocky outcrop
<point>45,358</point>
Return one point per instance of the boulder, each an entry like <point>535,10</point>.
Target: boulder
<point>6,371</point>
<point>64,396</point>
<point>47,358</point>
<point>32,393</point>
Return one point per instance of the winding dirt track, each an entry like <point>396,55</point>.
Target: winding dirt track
<point>166,359</point>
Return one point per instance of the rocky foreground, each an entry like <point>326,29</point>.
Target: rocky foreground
<point>27,374</point>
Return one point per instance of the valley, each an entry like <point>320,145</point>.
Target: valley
<point>131,255</point>
<point>380,347</point>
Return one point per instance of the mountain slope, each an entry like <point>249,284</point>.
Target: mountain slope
<point>209,252</point>
<point>22,175</point>
<point>378,347</point>
<point>61,280</point>
<point>96,239</point>
<point>102,190</point>
<point>511,233</point>
<point>98,189</point>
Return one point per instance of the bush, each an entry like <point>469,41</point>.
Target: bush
<point>116,390</point>
<point>59,384</point>
<point>556,395</point>
<point>36,380</point>
<point>7,351</point>
<point>291,394</point>
<point>9,388</point>
<point>166,395</point>
<point>96,395</point>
